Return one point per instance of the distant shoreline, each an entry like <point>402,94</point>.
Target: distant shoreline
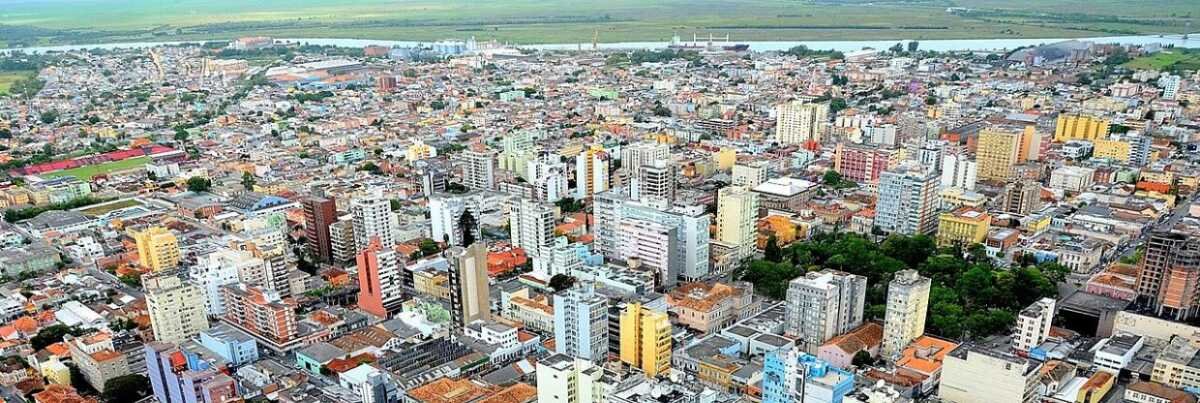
<point>941,45</point>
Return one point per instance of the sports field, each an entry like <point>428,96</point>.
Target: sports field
<point>87,172</point>
<point>35,22</point>
<point>7,78</point>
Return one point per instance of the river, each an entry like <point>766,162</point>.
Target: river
<point>941,45</point>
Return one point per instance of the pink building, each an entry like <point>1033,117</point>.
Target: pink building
<point>839,351</point>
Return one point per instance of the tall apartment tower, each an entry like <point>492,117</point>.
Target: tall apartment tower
<point>158,249</point>
<point>591,172</point>
<point>822,305</point>
<point>800,122</point>
<point>748,174</point>
<point>478,168</point>
<point>638,155</point>
<point>373,218</point>
<point>997,152</point>
<point>454,219</point>
<point>645,339</point>
<point>177,309</point>
<point>319,214</point>
<point>565,379</point>
<point>581,323</point>
<point>655,180</point>
<point>380,282</point>
<point>531,227</point>
<point>908,200</point>
<point>737,211</point>
<point>469,298</point>
<point>1021,197</point>
<point>904,320</point>
<point>1169,280</point>
<point>1033,324</point>
<point>959,171</point>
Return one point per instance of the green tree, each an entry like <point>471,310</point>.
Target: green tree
<point>862,359</point>
<point>561,282</point>
<point>772,251</point>
<point>832,178</point>
<point>428,247</point>
<point>198,184</point>
<point>126,388</point>
<point>52,334</point>
<point>80,383</point>
<point>248,180</point>
<point>371,167</point>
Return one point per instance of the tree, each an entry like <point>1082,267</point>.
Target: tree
<point>198,184</point>
<point>772,251</point>
<point>248,180</point>
<point>428,247</point>
<point>912,46</point>
<point>132,280</point>
<point>181,134</point>
<point>862,358</point>
<point>126,388</point>
<point>52,334</point>
<point>371,168</point>
<point>832,178</point>
<point>561,282</point>
<point>836,105</point>
<point>78,382</point>
<point>569,204</point>
<point>49,116</point>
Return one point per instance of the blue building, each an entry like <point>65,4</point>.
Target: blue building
<point>235,346</point>
<point>186,374</point>
<point>790,376</point>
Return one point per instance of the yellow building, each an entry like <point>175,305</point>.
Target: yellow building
<point>1165,177</point>
<point>1030,140</point>
<point>419,151</point>
<point>432,283</point>
<point>1080,127</point>
<point>958,197</point>
<point>1096,388</point>
<point>1112,149</point>
<point>725,158</point>
<point>964,226</point>
<point>646,339</point>
<point>997,152</point>
<point>55,371</point>
<point>157,248</point>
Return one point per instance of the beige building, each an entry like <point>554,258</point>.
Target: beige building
<point>737,212</point>
<point>469,284</point>
<point>158,249</point>
<point>177,310</point>
<point>534,312</point>
<point>976,374</point>
<point>799,122</point>
<point>904,320</point>
<point>432,283</point>
<point>997,152</point>
<point>96,358</point>
<point>708,307</point>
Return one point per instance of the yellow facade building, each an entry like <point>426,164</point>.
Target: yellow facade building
<point>725,158</point>
<point>964,226</point>
<point>1111,149</point>
<point>419,151</point>
<point>646,339</point>
<point>158,249</point>
<point>998,150</point>
<point>1080,127</point>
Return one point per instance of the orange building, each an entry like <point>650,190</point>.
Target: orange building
<point>380,291</point>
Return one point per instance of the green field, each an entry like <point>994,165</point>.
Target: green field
<point>7,78</point>
<point>87,172</point>
<point>1177,59</point>
<point>34,22</point>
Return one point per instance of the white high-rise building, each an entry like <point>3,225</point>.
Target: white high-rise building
<point>565,379</point>
<point>1033,324</point>
<point>453,218</point>
<point>564,258</point>
<point>635,156</point>
<point>958,170</point>
<point>904,320</point>
<point>549,177</point>
<point>1170,86</point>
<point>908,200</point>
<point>221,267</point>
<point>176,308</point>
<point>748,174</point>
<point>531,227</point>
<point>478,168</point>
<point>799,122</point>
<point>655,180</point>
<point>372,217</point>
<point>822,305</point>
<point>737,212</point>
<point>581,323</point>
<point>652,243</point>
<point>691,224</point>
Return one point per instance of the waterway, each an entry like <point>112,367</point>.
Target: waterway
<point>941,45</point>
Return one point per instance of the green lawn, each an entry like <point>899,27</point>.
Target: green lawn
<point>7,78</point>
<point>574,21</point>
<point>1179,59</point>
<point>87,172</point>
<point>101,209</point>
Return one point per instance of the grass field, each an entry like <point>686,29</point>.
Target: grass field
<point>1178,59</point>
<point>36,22</point>
<point>101,209</point>
<point>7,78</point>
<point>87,172</point>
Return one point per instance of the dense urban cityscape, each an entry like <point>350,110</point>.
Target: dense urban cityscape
<point>465,221</point>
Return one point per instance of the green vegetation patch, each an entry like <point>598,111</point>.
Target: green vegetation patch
<point>8,78</point>
<point>1170,60</point>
